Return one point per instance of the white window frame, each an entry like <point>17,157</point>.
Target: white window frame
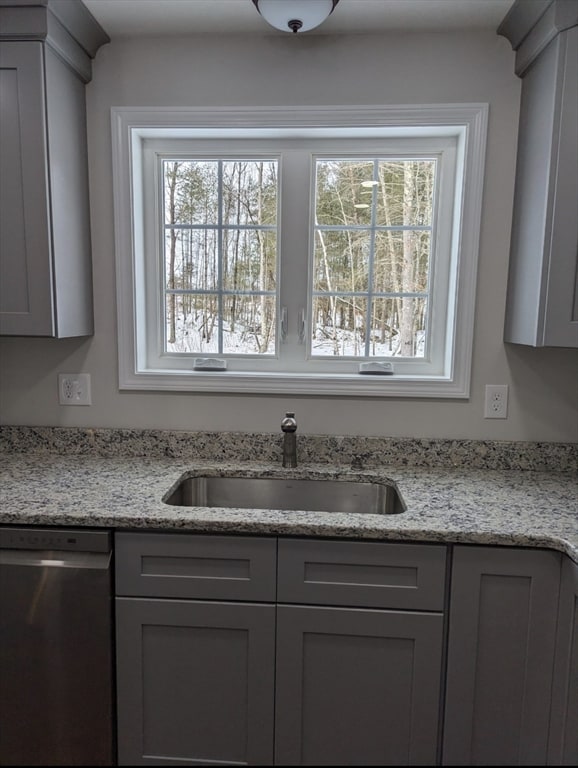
<point>133,129</point>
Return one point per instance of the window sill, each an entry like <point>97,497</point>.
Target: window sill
<point>297,384</point>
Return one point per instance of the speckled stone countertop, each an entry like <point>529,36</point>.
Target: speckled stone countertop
<point>483,506</point>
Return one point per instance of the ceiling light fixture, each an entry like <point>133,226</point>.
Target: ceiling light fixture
<point>295,15</point>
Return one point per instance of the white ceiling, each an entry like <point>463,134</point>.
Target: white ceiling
<point>130,18</point>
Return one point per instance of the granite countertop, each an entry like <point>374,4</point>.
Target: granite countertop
<point>477,506</point>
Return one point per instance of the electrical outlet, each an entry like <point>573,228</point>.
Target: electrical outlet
<point>496,403</point>
<point>74,389</point>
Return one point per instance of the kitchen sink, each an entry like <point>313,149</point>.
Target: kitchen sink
<point>325,495</point>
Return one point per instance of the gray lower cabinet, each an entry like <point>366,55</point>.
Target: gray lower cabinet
<point>195,649</point>
<point>563,745</point>
<point>357,687</point>
<point>359,652</point>
<point>241,650</point>
<point>247,650</point>
<point>501,647</point>
<point>195,682</point>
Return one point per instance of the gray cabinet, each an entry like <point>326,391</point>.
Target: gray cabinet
<point>356,685</point>
<point>195,682</point>
<point>542,299</point>
<point>563,745</point>
<point>215,664</point>
<point>265,651</point>
<point>45,258</point>
<point>502,637</point>
<point>195,676</point>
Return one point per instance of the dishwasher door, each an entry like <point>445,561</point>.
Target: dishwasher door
<point>56,679</point>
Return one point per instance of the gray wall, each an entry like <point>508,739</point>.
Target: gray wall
<point>308,70</point>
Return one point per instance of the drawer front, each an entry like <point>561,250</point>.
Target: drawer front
<point>194,566</point>
<point>365,574</point>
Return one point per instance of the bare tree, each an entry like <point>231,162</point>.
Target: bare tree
<point>171,181</point>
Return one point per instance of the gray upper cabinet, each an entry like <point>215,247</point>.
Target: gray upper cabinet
<point>542,302</point>
<point>45,257</point>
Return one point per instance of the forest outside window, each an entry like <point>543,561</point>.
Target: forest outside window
<point>268,257</point>
<point>219,256</point>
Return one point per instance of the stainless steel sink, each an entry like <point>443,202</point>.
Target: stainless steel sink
<point>325,495</point>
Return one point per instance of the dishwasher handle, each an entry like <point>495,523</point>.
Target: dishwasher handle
<point>51,559</point>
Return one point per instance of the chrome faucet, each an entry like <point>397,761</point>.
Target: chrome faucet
<point>289,427</point>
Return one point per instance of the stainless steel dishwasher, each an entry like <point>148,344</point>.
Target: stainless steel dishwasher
<point>56,679</point>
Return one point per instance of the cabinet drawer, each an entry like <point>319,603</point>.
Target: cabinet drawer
<point>195,566</point>
<point>368,574</point>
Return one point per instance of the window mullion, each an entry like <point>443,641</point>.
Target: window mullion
<point>371,259</point>
<point>220,253</point>
<point>294,249</point>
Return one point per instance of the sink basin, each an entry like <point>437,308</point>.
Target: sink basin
<point>344,496</point>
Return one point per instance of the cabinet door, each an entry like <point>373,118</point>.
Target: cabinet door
<point>195,682</point>
<point>502,631</point>
<point>563,749</point>
<point>561,312</point>
<point>542,308</point>
<point>357,687</point>
<point>25,259</point>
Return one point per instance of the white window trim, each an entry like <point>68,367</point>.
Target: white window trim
<point>132,125</point>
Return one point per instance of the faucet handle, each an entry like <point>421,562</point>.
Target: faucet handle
<point>289,424</point>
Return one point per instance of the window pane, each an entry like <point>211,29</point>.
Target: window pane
<point>372,237</point>
<point>249,192</point>
<point>341,197</point>
<point>341,261</point>
<point>398,327</point>
<point>401,261</point>
<point>249,260</point>
<point>339,326</point>
<point>191,259</point>
<point>192,323</point>
<point>404,195</point>
<point>211,258</point>
<point>249,325</point>
<point>191,191</point>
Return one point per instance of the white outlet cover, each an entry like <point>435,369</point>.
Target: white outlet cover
<point>74,389</point>
<point>496,401</point>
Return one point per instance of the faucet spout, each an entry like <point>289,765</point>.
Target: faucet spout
<point>289,427</point>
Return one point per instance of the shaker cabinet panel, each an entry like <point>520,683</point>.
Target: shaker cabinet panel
<point>357,687</point>
<point>502,634</point>
<point>542,296</point>
<point>362,574</point>
<point>561,303</point>
<point>563,749</point>
<point>196,566</point>
<point>45,259</point>
<point>25,251</point>
<point>195,682</point>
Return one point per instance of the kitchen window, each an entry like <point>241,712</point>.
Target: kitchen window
<point>321,251</point>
